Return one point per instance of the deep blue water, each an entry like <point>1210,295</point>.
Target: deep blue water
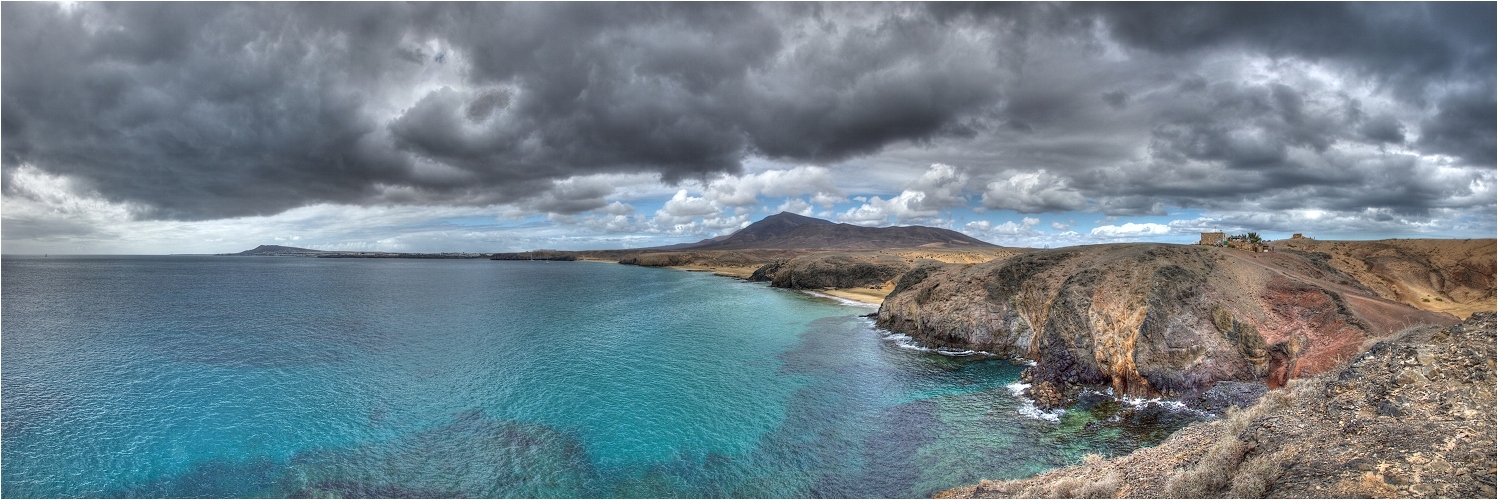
<point>275,377</point>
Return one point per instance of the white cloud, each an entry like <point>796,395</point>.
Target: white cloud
<point>1008,228</point>
<point>617,208</point>
<point>682,208</point>
<point>939,188</point>
<point>1131,230</point>
<point>795,206</point>
<point>1032,192</point>
<point>866,215</point>
<point>746,189</point>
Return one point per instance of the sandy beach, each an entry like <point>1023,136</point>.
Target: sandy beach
<point>865,295</point>
<point>740,272</point>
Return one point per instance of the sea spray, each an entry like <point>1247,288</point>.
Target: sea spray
<point>1027,406</point>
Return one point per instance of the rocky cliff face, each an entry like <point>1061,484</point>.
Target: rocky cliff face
<point>1148,319</point>
<point>1413,416</point>
<point>857,269</point>
<point>832,271</point>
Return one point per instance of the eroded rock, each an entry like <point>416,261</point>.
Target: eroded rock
<point>1149,319</point>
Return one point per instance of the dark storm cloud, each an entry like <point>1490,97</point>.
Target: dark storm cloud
<point>196,111</point>
<point>1217,141</point>
<point>1464,126</point>
<point>1403,43</point>
<point>213,110</point>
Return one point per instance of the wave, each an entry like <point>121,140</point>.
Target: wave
<point>904,341</point>
<point>1169,405</point>
<point>846,302</point>
<point>1139,403</point>
<point>1027,406</point>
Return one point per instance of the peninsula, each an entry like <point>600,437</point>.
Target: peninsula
<point>1216,327</point>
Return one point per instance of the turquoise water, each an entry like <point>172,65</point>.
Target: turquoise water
<point>276,377</point>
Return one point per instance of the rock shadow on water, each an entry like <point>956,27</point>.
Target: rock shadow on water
<point>889,467</point>
<point>256,477</point>
<point>713,475</point>
<point>474,456</point>
<point>1103,424</point>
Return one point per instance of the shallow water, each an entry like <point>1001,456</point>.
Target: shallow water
<point>274,377</point>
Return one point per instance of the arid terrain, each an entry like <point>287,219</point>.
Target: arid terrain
<point>1451,276</point>
<point>1150,319</point>
<point>1375,386</point>
<point>1413,416</point>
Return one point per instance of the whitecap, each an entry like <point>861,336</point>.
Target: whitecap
<point>1027,406</point>
<point>1169,404</point>
<point>904,341</point>
<point>1140,403</point>
<point>843,301</point>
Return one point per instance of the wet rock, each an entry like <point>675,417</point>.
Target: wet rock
<point>1047,395</point>
<point>1228,394</point>
<point>1357,431</point>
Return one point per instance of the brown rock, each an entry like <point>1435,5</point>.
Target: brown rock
<point>1150,319</point>
<point>1292,445</point>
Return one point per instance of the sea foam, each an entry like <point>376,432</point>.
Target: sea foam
<point>846,302</point>
<point>1027,406</point>
<point>904,341</point>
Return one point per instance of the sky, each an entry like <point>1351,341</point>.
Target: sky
<point>145,128</point>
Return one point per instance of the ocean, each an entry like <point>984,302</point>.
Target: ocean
<point>196,376</point>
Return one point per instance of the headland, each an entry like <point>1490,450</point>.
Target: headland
<point>1321,327</point>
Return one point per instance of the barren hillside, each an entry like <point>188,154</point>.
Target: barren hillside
<point>1149,319</point>
<point>1410,417</point>
<point>1452,276</point>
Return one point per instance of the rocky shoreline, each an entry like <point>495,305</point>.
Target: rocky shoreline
<point>1412,416</point>
<point>1148,320</point>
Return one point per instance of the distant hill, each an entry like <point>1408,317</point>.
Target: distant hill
<point>786,230</point>
<point>277,250</point>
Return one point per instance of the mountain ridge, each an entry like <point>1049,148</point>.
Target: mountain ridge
<point>786,230</point>
<point>277,250</point>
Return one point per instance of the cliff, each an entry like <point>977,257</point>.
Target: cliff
<point>1412,416</point>
<point>1149,319</point>
<point>819,270</point>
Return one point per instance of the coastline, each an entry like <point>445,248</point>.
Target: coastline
<point>1410,417</point>
<point>864,295</point>
<point>740,272</point>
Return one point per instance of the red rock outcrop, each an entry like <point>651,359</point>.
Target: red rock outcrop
<point>1150,319</point>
